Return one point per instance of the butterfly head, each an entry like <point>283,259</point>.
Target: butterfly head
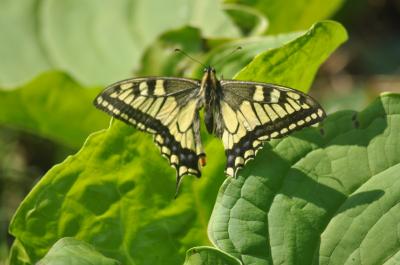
<point>209,80</point>
<point>209,70</point>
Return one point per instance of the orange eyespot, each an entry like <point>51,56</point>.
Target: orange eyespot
<point>202,161</point>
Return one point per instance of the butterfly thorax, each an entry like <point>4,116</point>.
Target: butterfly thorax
<point>211,91</point>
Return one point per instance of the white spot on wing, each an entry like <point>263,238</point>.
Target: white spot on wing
<point>182,170</point>
<point>248,153</point>
<point>165,150</point>
<point>274,134</point>
<point>230,172</point>
<point>174,159</point>
<point>239,161</point>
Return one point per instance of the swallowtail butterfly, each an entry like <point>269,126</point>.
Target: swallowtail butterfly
<point>243,114</point>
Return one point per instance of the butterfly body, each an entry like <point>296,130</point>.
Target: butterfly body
<point>243,114</point>
<point>212,94</point>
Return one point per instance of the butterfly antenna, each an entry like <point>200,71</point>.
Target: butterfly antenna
<point>223,59</point>
<point>190,57</point>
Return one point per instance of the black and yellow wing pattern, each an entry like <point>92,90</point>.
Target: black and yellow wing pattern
<point>243,114</point>
<point>165,107</point>
<point>252,113</point>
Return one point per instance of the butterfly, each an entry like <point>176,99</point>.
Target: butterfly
<point>243,114</point>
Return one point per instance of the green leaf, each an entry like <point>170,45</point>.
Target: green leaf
<point>296,63</point>
<point>290,59</point>
<point>286,15</point>
<point>69,251</point>
<point>318,197</point>
<point>53,106</point>
<point>96,42</point>
<point>117,193</point>
<point>208,255</point>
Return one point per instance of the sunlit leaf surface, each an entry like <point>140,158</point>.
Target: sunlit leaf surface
<point>324,196</point>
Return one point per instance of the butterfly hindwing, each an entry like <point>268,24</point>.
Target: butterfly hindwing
<point>165,107</point>
<point>252,113</point>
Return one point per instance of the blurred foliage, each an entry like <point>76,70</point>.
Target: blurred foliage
<point>96,42</point>
<point>19,167</point>
<point>57,55</point>
<point>367,64</point>
<point>69,118</point>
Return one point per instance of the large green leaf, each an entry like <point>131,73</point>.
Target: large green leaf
<point>53,106</point>
<point>286,15</point>
<point>117,194</point>
<point>69,251</point>
<point>325,196</point>
<point>97,42</point>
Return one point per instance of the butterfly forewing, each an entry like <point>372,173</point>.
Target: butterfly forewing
<point>255,112</point>
<point>165,107</point>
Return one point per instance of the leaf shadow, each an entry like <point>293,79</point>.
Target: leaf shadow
<point>300,185</point>
<point>298,194</point>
